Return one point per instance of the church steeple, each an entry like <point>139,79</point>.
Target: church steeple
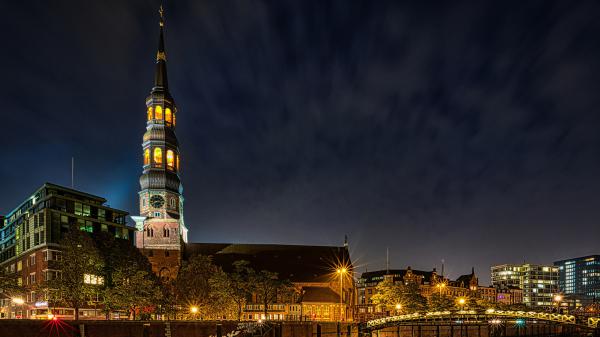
<point>161,225</point>
<point>160,76</point>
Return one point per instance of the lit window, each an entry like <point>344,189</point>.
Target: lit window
<point>174,119</point>
<point>158,112</point>
<point>168,115</point>
<point>147,157</point>
<point>87,210</point>
<point>158,155</point>
<point>149,113</point>
<point>170,159</point>
<point>78,209</point>
<point>177,162</point>
<point>92,279</point>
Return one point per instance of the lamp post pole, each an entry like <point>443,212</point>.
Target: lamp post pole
<point>341,295</point>
<point>341,271</point>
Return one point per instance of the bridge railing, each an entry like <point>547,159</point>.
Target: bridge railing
<point>545,316</point>
<point>490,313</point>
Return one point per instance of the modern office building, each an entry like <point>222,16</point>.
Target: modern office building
<point>538,282</point>
<point>30,235</point>
<point>580,276</point>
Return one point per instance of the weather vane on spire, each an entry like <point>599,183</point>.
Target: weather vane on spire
<point>160,54</point>
<point>161,11</point>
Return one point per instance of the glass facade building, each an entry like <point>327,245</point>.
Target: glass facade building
<point>30,236</point>
<point>538,282</point>
<point>580,276</point>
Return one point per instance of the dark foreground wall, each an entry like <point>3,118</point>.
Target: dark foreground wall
<point>33,328</point>
<point>484,330</point>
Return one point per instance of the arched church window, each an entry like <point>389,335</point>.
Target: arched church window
<point>149,232</point>
<point>166,232</point>
<point>168,115</point>
<point>149,113</point>
<point>158,156</point>
<point>158,112</point>
<point>170,159</point>
<point>147,157</point>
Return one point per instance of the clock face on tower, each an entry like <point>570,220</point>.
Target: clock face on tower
<point>157,201</point>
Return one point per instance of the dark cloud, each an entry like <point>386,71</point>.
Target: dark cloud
<point>465,130</point>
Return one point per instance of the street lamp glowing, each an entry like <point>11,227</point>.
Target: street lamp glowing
<point>462,301</point>
<point>18,301</point>
<point>558,298</point>
<point>194,309</point>
<point>342,270</point>
<point>398,306</point>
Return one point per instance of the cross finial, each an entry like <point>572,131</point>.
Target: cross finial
<point>161,11</point>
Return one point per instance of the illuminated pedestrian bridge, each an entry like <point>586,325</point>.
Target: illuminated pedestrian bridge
<point>488,317</point>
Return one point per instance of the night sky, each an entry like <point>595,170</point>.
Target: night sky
<point>467,131</point>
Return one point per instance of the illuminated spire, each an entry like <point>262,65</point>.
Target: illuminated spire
<point>160,77</point>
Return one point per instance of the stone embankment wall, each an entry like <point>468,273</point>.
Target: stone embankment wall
<point>35,328</point>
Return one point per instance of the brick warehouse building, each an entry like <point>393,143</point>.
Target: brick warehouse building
<point>29,237</point>
<point>162,233</point>
<point>430,284</point>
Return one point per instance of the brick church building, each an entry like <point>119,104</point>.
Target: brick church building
<point>162,234</point>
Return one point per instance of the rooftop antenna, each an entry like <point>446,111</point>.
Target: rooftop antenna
<point>387,260</point>
<point>443,268</point>
<point>73,172</point>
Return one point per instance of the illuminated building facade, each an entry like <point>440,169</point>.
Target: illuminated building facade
<point>161,228</point>
<point>580,276</point>
<point>538,282</point>
<point>430,284</point>
<point>29,237</point>
<point>311,269</point>
<point>509,295</point>
<point>368,281</point>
